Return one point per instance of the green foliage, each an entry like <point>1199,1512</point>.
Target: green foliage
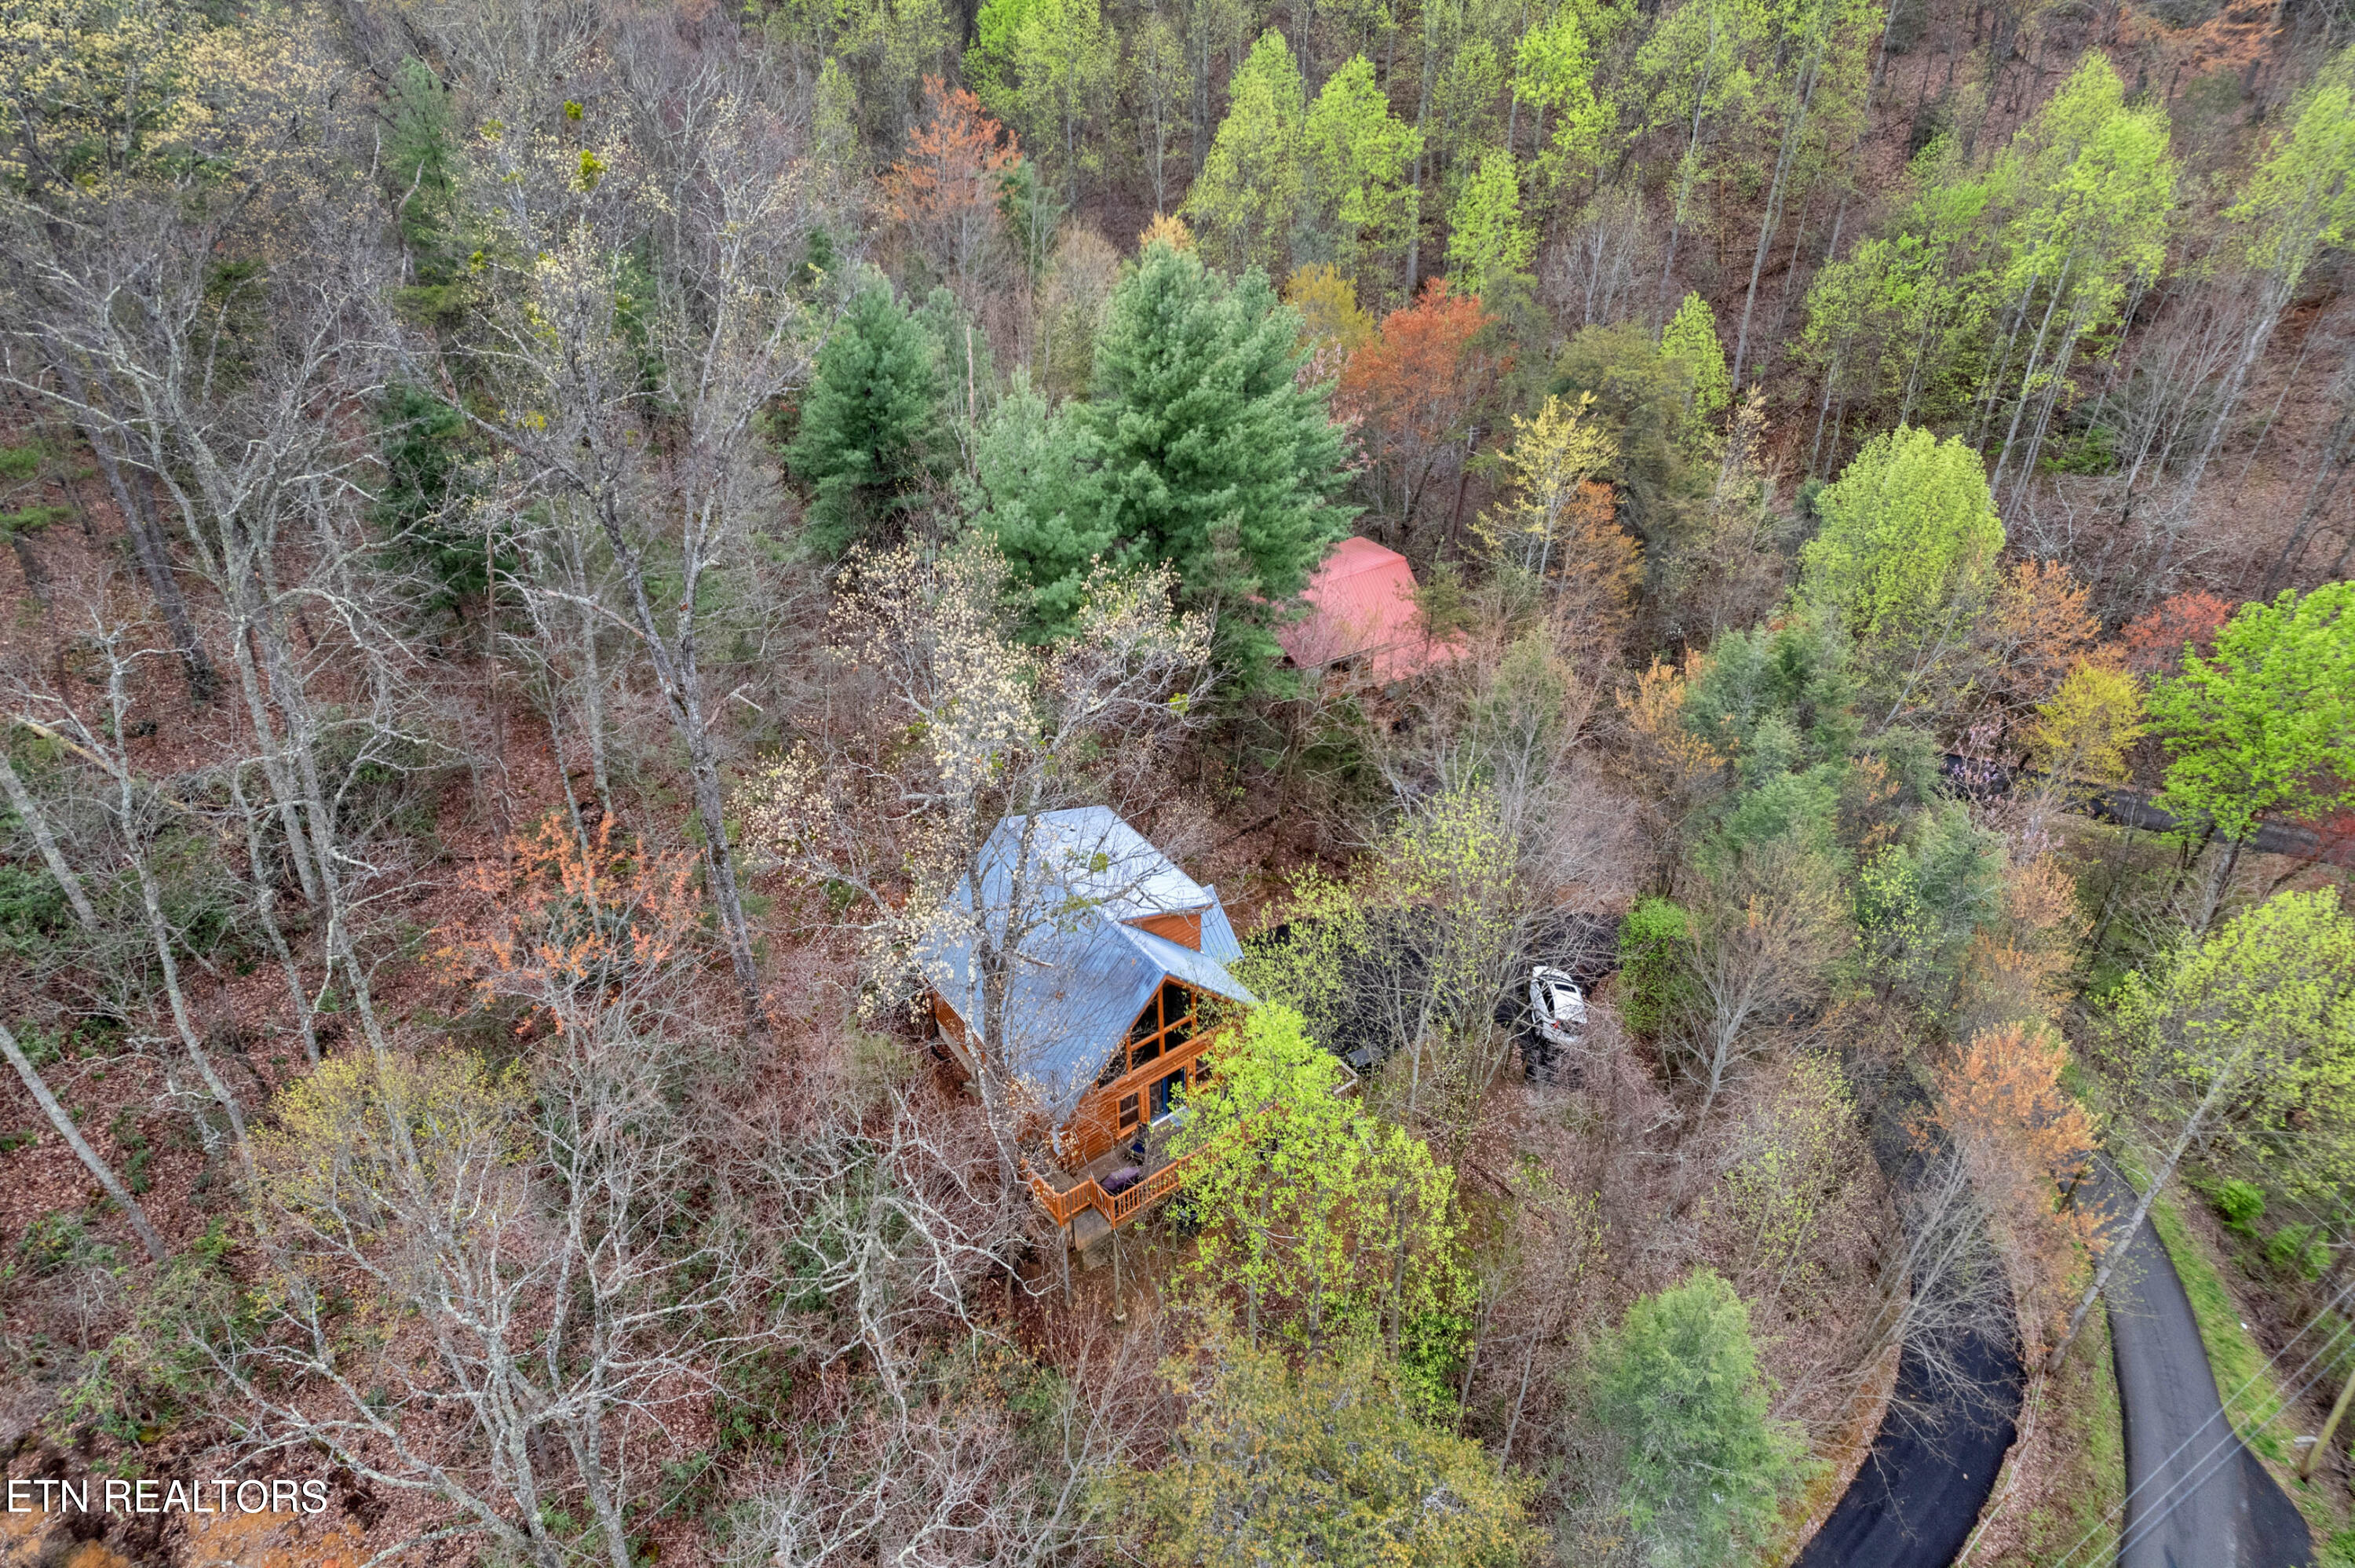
<point>2255,1023</point>
<point>1248,199</point>
<point>420,441</point>
<point>1326,1462</point>
<point>1046,69</point>
<point>869,443</point>
<point>1039,501</point>
<point>2239,1204</point>
<point>1653,988</point>
<point>1359,152</point>
<point>1700,1471</point>
<point>2302,200</point>
<point>1776,699</point>
<point>138,1153</point>
<point>2266,724</point>
<point>1664,468</point>
<point>1212,456</point>
<point>1691,340</point>
<point>34,912</point>
<point>62,1239</point>
<point>1918,903</point>
<point>1315,1213</point>
<point>2300,1251</point>
<point>1909,543</point>
<point>1489,245</point>
<point>1554,75</point>
<point>421,158</point>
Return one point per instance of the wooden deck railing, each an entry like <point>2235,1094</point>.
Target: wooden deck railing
<point>1117,1208</point>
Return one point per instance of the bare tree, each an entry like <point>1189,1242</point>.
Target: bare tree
<point>1006,734</point>
<point>1760,953</point>
<point>64,1125</point>
<point>637,415</point>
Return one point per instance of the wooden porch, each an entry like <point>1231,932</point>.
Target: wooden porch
<point>1082,1205</point>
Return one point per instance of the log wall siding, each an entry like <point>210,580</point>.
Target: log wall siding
<point>1094,1129</point>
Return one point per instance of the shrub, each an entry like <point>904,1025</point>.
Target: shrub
<point>2239,1204</point>
<point>1651,959</point>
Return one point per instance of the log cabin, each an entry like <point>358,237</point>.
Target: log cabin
<point>1116,961</point>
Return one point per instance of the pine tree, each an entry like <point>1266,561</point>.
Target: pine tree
<point>1703,1470</point>
<point>419,442</point>
<point>869,436</point>
<point>1041,503</point>
<point>1211,456</point>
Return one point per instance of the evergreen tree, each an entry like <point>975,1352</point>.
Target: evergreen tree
<point>869,436</point>
<point>1212,456</point>
<point>1702,1471</point>
<point>1039,501</point>
<point>419,442</point>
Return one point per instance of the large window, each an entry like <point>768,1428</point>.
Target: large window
<point>1166,1022</point>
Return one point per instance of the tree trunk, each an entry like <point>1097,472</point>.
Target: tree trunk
<point>37,823</point>
<point>682,687</point>
<point>1792,136</point>
<point>2116,1250</point>
<point>65,1126</point>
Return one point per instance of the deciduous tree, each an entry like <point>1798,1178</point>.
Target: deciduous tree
<point>1328,1462</point>
<point>1419,392</point>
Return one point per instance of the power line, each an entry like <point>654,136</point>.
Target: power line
<point>2202,1467</point>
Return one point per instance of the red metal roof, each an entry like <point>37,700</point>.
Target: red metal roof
<point>1361,605</point>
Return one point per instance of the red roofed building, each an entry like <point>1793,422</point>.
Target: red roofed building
<point>1362,618</point>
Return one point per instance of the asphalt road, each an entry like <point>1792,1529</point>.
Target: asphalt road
<point>1920,1492</point>
<point>2196,1497</point>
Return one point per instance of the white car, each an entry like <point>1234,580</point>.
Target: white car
<point>1557,1006</point>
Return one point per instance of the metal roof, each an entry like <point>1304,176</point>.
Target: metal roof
<point>1080,974</point>
<point>1361,604</point>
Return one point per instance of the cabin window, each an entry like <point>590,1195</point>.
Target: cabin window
<point>1144,1053</point>
<point>1168,1094</point>
<point>1129,1107</point>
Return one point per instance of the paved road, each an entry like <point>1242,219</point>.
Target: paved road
<point>2195,1498</point>
<point>1920,1492</point>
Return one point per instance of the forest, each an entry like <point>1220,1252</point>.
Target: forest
<point>565,555</point>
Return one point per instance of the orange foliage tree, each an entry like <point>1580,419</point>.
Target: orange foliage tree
<point>946,191</point>
<point>2154,639</point>
<point>2038,626</point>
<point>2027,1142</point>
<point>1418,393</point>
<point>575,928</point>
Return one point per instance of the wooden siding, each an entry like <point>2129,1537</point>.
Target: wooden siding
<point>1183,927</point>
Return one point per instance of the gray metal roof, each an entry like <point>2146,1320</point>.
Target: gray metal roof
<point>1080,974</point>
